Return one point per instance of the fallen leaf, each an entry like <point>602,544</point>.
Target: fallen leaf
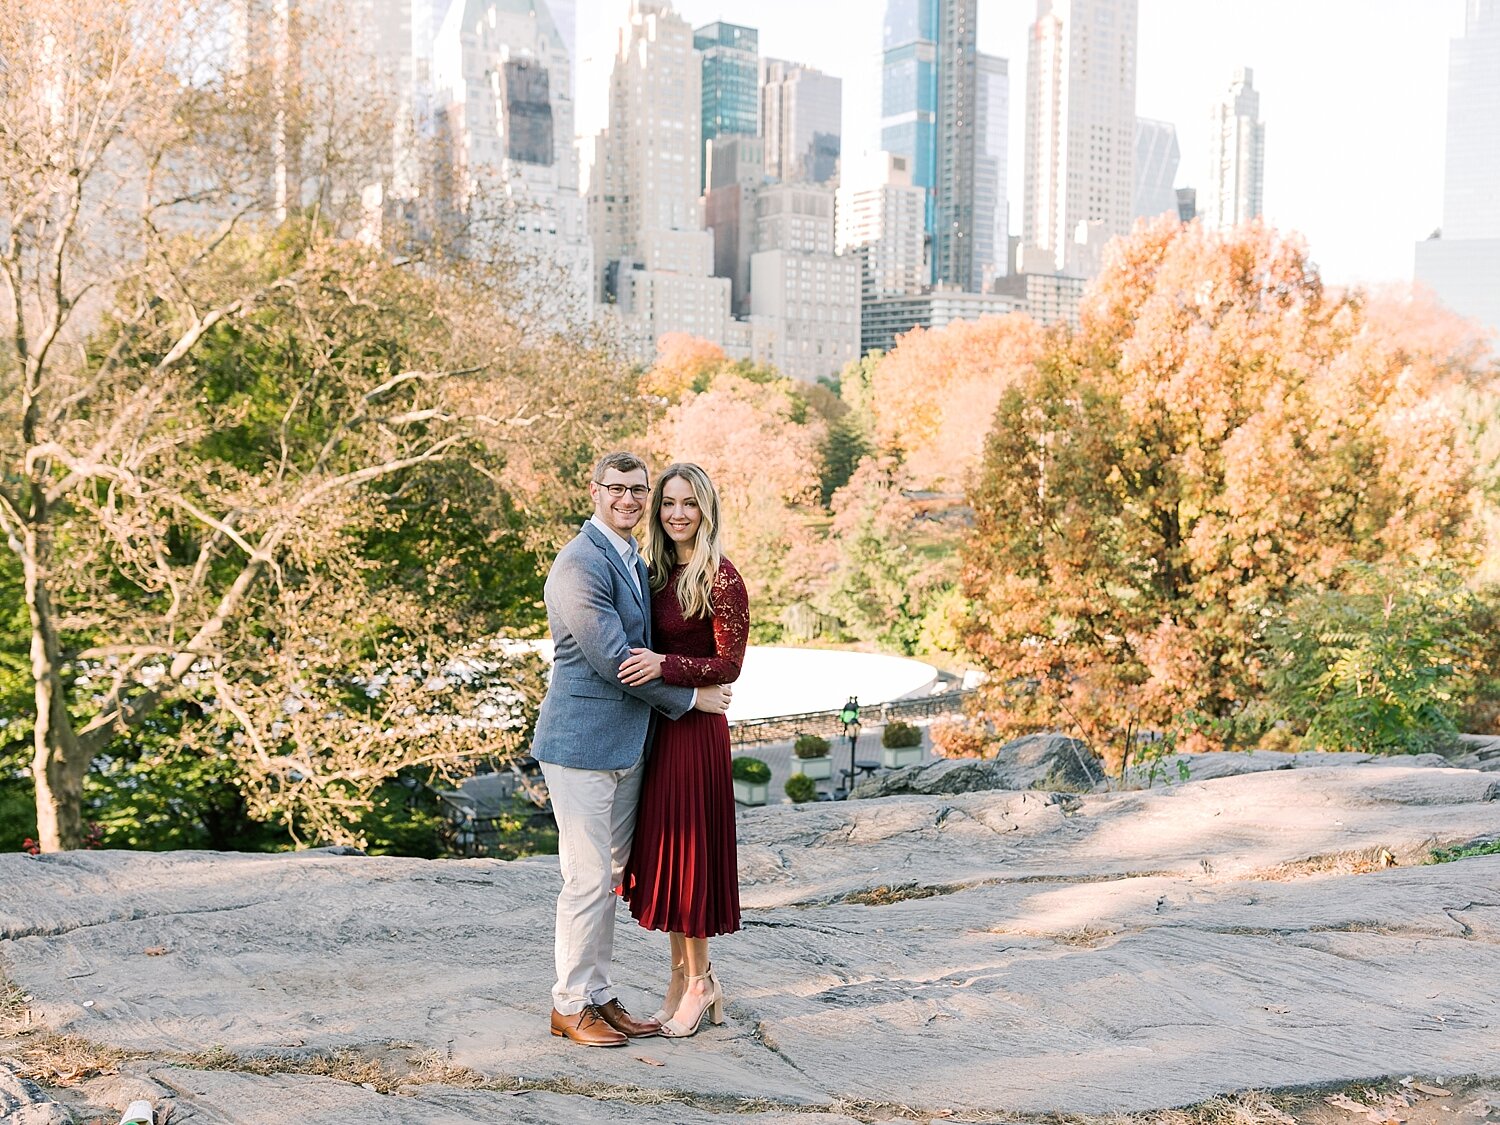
<point>155,950</point>
<point>648,1060</point>
<point>1340,1101</point>
<point>1279,1009</point>
<point>1432,1091</point>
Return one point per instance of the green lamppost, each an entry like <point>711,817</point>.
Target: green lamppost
<point>849,716</point>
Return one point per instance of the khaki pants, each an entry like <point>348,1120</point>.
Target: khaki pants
<point>595,811</point>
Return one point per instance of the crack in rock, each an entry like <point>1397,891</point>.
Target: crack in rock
<point>62,930</point>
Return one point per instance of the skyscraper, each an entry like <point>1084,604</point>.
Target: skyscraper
<point>654,259</point>
<point>1080,133</point>
<point>801,119</point>
<point>736,170</point>
<point>1461,262</point>
<point>909,92</point>
<point>1237,157</point>
<point>805,296</point>
<point>957,142</point>
<point>501,84</point>
<point>881,220</point>
<point>730,57</point>
<point>934,99</point>
<point>991,172</point>
<point>1156,158</point>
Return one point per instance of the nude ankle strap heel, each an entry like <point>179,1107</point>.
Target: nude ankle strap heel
<point>662,1015</point>
<point>714,1009</point>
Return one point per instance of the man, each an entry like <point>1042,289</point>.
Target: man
<point>591,739</point>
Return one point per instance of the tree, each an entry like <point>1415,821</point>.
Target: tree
<point>684,363</point>
<point>879,587</point>
<point>1223,430</point>
<point>218,408</point>
<point>760,446</point>
<point>932,399</point>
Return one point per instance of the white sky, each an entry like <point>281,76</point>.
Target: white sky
<point>1353,94</point>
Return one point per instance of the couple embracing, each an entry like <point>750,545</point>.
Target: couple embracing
<point>634,745</point>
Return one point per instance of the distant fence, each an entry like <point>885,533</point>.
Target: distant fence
<point>782,728</point>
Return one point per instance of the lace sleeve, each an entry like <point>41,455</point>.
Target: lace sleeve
<point>731,634</point>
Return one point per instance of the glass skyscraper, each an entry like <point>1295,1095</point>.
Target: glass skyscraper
<point>731,81</point>
<point>909,91</point>
<point>936,100</point>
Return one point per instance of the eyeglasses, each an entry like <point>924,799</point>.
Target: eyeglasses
<point>638,491</point>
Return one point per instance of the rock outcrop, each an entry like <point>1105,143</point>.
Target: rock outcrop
<point>1038,761</point>
<point>973,954</point>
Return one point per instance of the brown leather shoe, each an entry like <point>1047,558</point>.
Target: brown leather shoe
<point>587,1027</point>
<point>617,1017</point>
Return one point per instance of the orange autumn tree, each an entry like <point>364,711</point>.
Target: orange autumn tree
<point>682,362</point>
<point>934,396</point>
<point>1222,431</point>
<point>761,444</point>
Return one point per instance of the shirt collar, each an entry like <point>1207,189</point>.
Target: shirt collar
<point>626,547</point>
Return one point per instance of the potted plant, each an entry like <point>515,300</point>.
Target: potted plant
<point>752,781</point>
<point>901,745</point>
<point>801,788</point>
<point>810,756</point>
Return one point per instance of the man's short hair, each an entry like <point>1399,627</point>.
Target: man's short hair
<point>624,462</point>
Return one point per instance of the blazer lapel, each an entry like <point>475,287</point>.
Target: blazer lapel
<point>640,570</point>
<point>602,542</point>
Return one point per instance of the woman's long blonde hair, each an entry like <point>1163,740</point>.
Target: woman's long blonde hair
<point>695,584</point>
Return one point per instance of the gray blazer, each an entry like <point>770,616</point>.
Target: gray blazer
<point>589,720</point>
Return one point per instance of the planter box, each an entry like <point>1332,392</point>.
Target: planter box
<point>752,792</point>
<point>894,757</point>
<point>819,769</point>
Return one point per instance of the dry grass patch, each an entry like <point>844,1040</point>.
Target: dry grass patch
<point>887,895</point>
<point>1079,937</point>
<point>15,1014</point>
<point>386,1071</point>
<point>1337,863</point>
<point>65,1060</point>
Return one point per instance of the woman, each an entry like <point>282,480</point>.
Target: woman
<point>683,875</point>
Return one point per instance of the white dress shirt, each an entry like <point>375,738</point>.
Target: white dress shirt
<point>626,548</point>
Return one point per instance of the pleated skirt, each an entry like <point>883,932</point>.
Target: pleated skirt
<point>683,872</point>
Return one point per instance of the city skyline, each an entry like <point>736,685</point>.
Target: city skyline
<point>1317,181</point>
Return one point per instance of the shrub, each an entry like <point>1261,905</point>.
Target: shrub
<point>1382,665</point>
<point>810,746</point>
<point>1280,737</point>
<point>801,788</point>
<point>960,738</point>
<point>751,770</point>
<point>899,735</point>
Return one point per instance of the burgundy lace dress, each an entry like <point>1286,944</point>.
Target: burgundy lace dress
<point>683,874</point>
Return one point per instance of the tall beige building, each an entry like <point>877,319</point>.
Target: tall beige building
<point>1080,133</point>
<point>502,108</point>
<point>882,223</point>
<point>801,115</point>
<point>654,260</point>
<point>1237,157</point>
<point>804,298</point>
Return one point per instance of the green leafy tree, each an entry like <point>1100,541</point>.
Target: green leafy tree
<point>1382,664</point>
<point>879,587</point>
